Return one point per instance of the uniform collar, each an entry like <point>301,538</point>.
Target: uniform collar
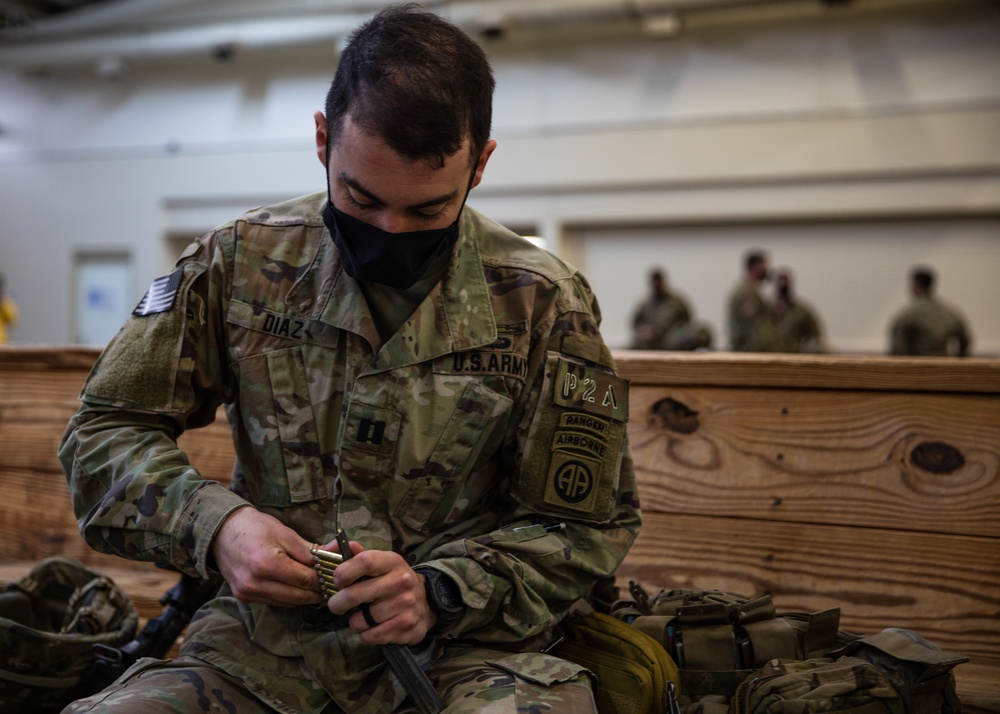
<point>455,316</point>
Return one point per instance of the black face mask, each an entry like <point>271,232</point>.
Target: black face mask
<point>373,255</point>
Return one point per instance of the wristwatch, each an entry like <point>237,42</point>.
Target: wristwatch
<point>444,598</point>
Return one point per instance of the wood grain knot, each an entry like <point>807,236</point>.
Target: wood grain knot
<point>675,416</point>
<point>937,457</point>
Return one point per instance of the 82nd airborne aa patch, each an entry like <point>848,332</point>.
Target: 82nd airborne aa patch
<point>585,440</point>
<point>578,449</point>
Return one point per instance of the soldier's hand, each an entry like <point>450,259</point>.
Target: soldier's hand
<point>265,561</point>
<point>384,584</point>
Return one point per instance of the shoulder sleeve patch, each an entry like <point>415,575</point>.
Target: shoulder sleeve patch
<point>574,449</point>
<point>161,295</point>
<point>591,389</point>
<point>140,367</point>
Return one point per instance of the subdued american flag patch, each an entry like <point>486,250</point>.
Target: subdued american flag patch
<point>161,294</point>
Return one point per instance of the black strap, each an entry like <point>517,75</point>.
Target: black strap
<point>413,679</point>
<point>404,664</point>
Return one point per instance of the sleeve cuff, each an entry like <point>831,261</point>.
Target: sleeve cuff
<point>200,520</point>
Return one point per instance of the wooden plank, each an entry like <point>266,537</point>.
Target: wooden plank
<point>210,449</point>
<point>61,387</point>
<point>72,358</point>
<point>854,372</point>
<point>37,520</point>
<point>978,687</point>
<point>973,375</point>
<point>37,426</point>
<point>945,587</point>
<point>918,461</point>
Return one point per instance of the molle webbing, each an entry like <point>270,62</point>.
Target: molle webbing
<point>719,638</point>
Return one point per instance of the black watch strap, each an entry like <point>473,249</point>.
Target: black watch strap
<point>444,598</point>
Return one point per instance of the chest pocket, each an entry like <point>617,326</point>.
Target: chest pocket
<point>287,467</point>
<point>441,488</point>
<point>369,447</point>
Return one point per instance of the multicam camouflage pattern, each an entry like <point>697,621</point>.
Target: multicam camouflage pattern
<point>662,314</point>
<point>471,680</point>
<point>50,621</point>
<point>918,669</point>
<point>180,685</point>
<point>929,328</point>
<point>492,411</point>
<point>751,322</point>
<point>817,686</point>
<point>798,329</point>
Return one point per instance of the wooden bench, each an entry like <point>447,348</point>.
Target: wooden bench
<point>872,484</point>
<point>39,389</point>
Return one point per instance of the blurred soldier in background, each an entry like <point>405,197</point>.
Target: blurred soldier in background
<point>926,326</point>
<point>796,324</point>
<point>8,312</point>
<point>751,322</point>
<point>663,320</point>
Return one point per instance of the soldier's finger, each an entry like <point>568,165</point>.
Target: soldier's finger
<point>284,595</point>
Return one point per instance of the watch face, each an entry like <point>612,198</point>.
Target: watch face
<point>443,592</point>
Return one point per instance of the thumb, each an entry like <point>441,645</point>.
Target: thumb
<point>298,549</point>
<point>334,547</point>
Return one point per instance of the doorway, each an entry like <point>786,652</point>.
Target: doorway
<point>104,296</point>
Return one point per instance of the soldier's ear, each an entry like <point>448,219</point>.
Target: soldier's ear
<point>484,156</point>
<point>321,137</point>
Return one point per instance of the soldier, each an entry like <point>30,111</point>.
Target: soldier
<point>751,322</point>
<point>663,320</point>
<point>8,311</point>
<point>927,326</point>
<point>393,364</point>
<point>796,323</point>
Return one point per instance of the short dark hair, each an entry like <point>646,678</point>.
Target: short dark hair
<point>754,257</point>
<point>416,81</point>
<point>924,277</point>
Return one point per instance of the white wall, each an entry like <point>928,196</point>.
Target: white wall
<point>848,143</point>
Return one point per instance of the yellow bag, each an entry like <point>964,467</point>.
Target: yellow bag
<point>635,675</point>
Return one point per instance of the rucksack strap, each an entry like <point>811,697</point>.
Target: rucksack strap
<point>822,631</point>
<point>661,628</point>
<point>707,637</point>
<point>769,639</point>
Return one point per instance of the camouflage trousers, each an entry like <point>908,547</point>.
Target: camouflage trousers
<point>471,680</point>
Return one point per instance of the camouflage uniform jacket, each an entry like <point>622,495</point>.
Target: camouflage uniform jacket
<point>928,327</point>
<point>751,322</point>
<point>662,314</point>
<point>798,328</point>
<point>493,411</point>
